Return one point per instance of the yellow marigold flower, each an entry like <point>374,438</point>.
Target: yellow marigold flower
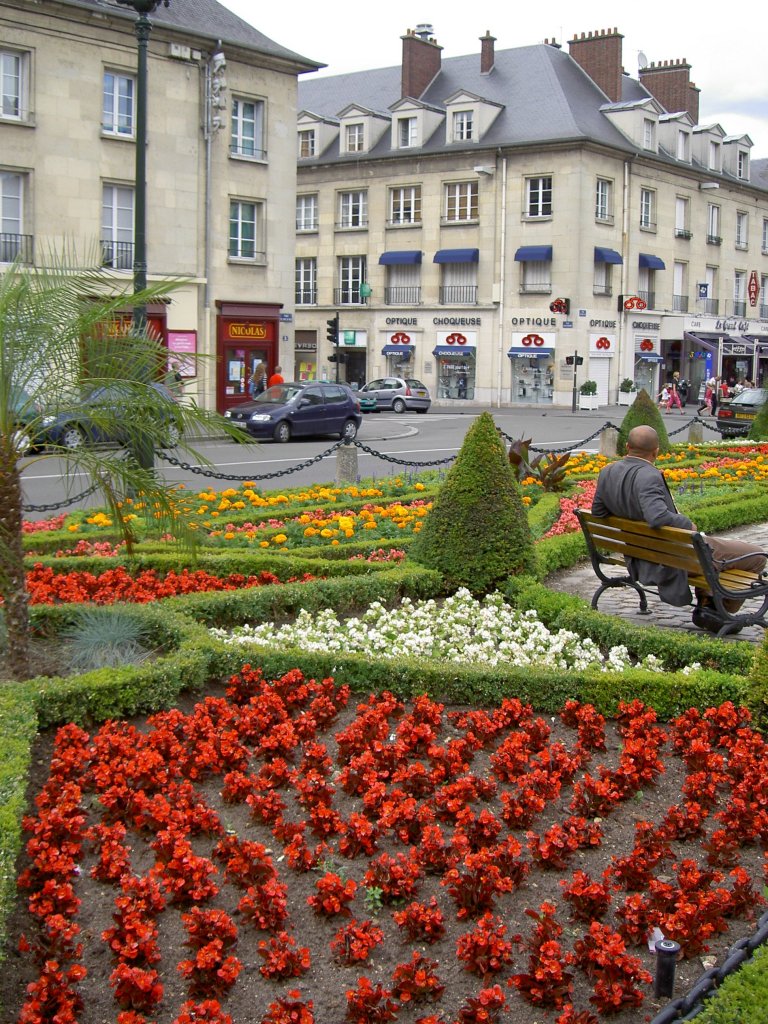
<point>371,525</point>
<point>334,543</point>
<point>238,504</point>
<point>224,504</point>
<point>214,514</point>
<point>418,487</point>
<point>202,510</point>
<point>74,527</point>
<point>304,518</point>
<point>526,501</point>
<point>349,533</point>
<point>345,522</point>
<point>279,538</point>
<point>327,533</point>
<point>264,544</point>
<point>230,492</point>
<point>229,536</point>
<point>310,532</point>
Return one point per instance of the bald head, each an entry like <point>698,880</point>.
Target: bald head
<point>643,442</point>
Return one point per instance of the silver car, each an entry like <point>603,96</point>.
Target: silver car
<point>399,393</point>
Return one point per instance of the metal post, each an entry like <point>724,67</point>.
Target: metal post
<point>666,959</point>
<point>575,371</point>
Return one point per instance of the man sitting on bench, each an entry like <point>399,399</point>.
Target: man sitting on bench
<point>634,488</point>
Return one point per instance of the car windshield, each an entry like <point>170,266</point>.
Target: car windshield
<point>278,394</point>
<point>413,383</point>
<point>752,396</point>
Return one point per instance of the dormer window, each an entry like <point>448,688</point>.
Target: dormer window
<point>462,126</point>
<point>406,132</point>
<point>649,133</point>
<point>714,156</point>
<point>354,137</point>
<point>742,165</point>
<point>306,143</point>
<point>683,146</point>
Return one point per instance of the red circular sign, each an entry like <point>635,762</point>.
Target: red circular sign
<point>634,302</point>
<point>456,339</point>
<point>533,339</point>
<point>646,345</point>
<point>401,338</point>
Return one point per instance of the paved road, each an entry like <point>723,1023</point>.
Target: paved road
<point>409,438</point>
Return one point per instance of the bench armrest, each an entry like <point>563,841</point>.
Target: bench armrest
<point>723,563</point>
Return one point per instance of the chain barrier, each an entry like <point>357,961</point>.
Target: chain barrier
<point>199,471</point>
<point>402,462</point>
<point>61,504</point>
<point>567,448</point>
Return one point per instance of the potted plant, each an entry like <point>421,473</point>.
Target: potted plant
<point>627,391</point>
<point>588,395</point>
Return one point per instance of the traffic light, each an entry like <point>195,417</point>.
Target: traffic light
<point>337,357</point>
<point>332,330</point>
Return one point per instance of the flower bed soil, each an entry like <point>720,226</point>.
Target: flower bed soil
<point>300,756</point>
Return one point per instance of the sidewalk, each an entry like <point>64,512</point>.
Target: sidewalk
<point>623,601</point>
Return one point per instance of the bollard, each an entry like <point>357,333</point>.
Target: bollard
<point>696,433</point>
<point>666,960</point>
<point>346,464</point>
<point>609,440</point>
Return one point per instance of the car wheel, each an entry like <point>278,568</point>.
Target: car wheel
<point>349,433</point>
<point>398,405</point>
<point>72,437</point>
<point>282,432</point>
<point>172,436</point>
<point>22,442</point>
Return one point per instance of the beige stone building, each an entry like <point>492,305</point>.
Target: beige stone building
<point>482,222</point>
<point>221,168</point>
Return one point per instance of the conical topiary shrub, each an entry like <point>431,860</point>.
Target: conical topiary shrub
<point>759,429</point>
<point>643,411</point>
<point>477,532</point>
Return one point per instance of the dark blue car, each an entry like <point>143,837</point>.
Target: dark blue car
<point>97,418</point>
<point>300,409</point>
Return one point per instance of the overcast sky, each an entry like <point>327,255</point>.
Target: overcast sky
<point>726,51</point>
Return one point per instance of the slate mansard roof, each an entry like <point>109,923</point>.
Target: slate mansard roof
<point>546,97</point>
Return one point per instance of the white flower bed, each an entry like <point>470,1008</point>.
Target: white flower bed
<point>459,629</point>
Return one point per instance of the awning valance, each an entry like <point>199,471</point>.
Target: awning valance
<point>709,342</point>
<point>645,358</point>
<point>534,254</point>
<point>527,353</point>
<point>456,256</point>
<point>603,255</point>
<point>399,257</point>
<point>651,262</point>
<point>454,350</point>
<point>398,350</point>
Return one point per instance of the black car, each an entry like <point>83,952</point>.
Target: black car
<point>23,420</point>
<point>736,416</point>
<point>97,419</point>
<point>298,409</point>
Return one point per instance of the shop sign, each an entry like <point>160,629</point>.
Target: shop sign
<point>602,344</point>
<point>754,288</point>
<point>632,302</point>
<point>306,346</point>
<point>401,321</point>
<point>532,344</point>
<point>184,345</point>
<point>399,338</point>
<point>458,339</point>
<point>645,346</point>
<point>246,332</point>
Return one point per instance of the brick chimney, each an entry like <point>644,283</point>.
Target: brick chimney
<point>487,57</point>
<point>670,83</point>
<point>421,60</point>
<point>599,54</point>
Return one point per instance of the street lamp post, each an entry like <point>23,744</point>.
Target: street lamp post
<point>144,454</point>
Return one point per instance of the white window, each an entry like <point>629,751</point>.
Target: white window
<point>351,276</point>
<point>764,245</point>
<point>12,243</point>
<point>713,224</point>
<point>714,156</point>
<point>306,213</point>
<point>711,302</point>
<point>604,200</point>
<point>648,209</point>
<point>14,87</point>
<point>462,125</point>
<point>405,205</point>
<point>602,281</point>
<point>247,129</point>
<point>739,292</point>
<point>403,284</point>
<point>117,226</point>
<point>460,201</point>
<point>682,215</point>
<point>117,116</point>
<point>680,287</point>
<point>742,229</point>
<point>354,135</point>
<point>683,146</point>
<point>536,276</point>
<point>246,230</point>
<point>306,143</point>
<point>458,284</point>
<point>306,281</point>
<point>646,286</point>
<point>406,132</point>
<point>353,209</point>
<point>538,197</point>
<point>649,133</point>
<point>742,165</point>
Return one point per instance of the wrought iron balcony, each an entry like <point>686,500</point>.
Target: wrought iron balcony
<point>349,297</point>
<point>306,297</point>
<point>711,306</point>
<point>458,294</point>
<point>16,247</point>
<point>597,289</point>
<point>402,296</point>
<point>714,240</point>
<point>680,303</point>
<point>649,298</point>
<point>116,255</point>
<point>739,308</point>
<point>683,233</point>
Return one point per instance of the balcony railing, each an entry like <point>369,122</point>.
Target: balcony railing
<point>247,149</point>
<point>403,296</point>
<point>543,288</point>
<point>458,294</point>
<point>763,312</point>
<point>683,233</point>
<point>739,308</point>
<point>649,298</point>
<point>598,289</point>
<point>352,224</point>
<point>680,303</point>
<point>711,306</point>
<point>349,297</point>
<point>16,247</point>
<point>306,297</point>
<point>714,240</point>
<point>116,255</point>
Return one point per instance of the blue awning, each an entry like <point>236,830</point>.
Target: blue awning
<point>603,255</point>
<point>649,358</point>
<point>454,350</point>
<point>456,256</point>
<point>651,262</point>
<point>534,254</point>
<point>400,256</point>
<point>398,350</point>
<point>527,353</point>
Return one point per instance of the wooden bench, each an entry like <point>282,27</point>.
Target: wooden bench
<point>611,540</point>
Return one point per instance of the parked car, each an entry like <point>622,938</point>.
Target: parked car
<point>86,423</point>
<point>23,419</point>
<point>298,409</point>
<point>399,393</point>
<point>368,403</point>
<point>736,417</point>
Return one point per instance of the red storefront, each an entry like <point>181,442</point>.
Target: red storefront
<point>246,334</point>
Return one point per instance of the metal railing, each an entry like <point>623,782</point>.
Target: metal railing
<point>349,297</point>
<point>649,298</point>
<point>306,297</point>
<point>680,303</point>
<point>460,294</point>
<point>16,247</point>
<point>400,296</point>
<point>116,255</point>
